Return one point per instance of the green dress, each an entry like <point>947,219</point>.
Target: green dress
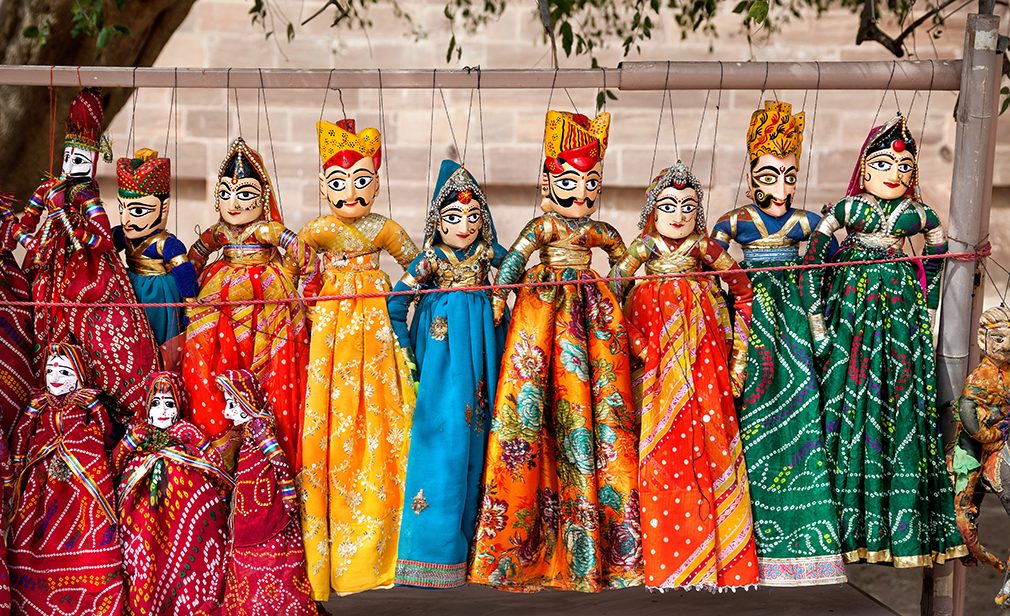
<point>879,383</point>
<point>795,519</point>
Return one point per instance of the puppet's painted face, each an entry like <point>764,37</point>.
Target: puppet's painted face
<point>773,183</point>
<point>234,411</point>
<point>575,193</point>
<point>163,412</point>
<point>142,216</point>
<point>996,343</point>
<point>888,173</point>
<point>350,192</point>
<point>241,202</point>
<point>79,163</point>
<point>677,212</point>
<point>61,376</point>
<point>459,223</point>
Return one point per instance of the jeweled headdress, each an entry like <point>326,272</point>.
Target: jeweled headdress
<point>775,130</point>
<point>575,139</point>
<point>340,145</point>
<point>678,176</point>
<point>84,124</point>
<point>242,162</point>
<point>164,382</point>
<point>456,184</point>
<point>892,134</point>
<point>144,174</point>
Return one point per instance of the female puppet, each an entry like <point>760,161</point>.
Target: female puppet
<point>156,259</point>
<point>266,560</point>
<point>173,508</point>
<point>270,338</point>
<point>695,501</point>
<point>360,395</point>
<point>795,520</point>
<point>874,330</point>
<point>16,337</point>
<point>560,504</point>
<point>64,552</point>
<point>72,259</point>
<point>458,349</point>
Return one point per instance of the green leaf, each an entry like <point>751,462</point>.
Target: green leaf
<point>601,99</point>
<point>611,95</point>
<point>33,32</point>
<point>121,29</point>
<point>452,47</point>
<point>1003,107</point>
<point>567,37</point>
<point>103,38</point>
<point>291,32</point>
<point>759,11</point>
<point>741,6</point>
<point>1005,90</point>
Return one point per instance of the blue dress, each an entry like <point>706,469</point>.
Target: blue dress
<point>458,351</point>
<point>160,273</point>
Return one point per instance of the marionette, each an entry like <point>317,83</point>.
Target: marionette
<point>16,337</point>
<point>64,552</point>
<point>156,259</point>
<point>695,500</point>
<point>560,506</point>
<point>72,258</point>
<point>979,456</point>
<point>873,329</point>
<point>458,350</point>
<point>173,508</point>
<point>360,393</point>
<point>271,338</point>
<point>266,560</point>
<point>795,520</point>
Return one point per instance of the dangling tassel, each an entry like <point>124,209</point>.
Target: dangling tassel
<point>105,147</point>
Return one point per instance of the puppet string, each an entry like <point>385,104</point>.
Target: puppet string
<point>973,255</point>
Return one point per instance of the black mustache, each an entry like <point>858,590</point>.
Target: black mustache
<point>135,228</point>
<point>360,201</point>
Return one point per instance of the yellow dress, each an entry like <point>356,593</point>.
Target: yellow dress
<point>359,403</point>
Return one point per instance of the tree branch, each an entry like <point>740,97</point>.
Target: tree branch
<point>869,31</point>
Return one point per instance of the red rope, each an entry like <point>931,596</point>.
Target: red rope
<point>974,255</point>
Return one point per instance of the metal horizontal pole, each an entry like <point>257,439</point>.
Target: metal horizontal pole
<point>897,75</point>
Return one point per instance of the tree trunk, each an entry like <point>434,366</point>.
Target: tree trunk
<point>25,111</point>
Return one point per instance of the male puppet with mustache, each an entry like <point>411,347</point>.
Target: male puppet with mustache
<point>157,265</point>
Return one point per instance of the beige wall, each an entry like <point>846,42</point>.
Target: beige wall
<point>218,33</point>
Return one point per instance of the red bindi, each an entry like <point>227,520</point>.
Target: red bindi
<point>898,145</point>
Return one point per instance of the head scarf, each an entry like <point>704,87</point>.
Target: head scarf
<point>340,146</point>
<point>892,134</point>
<point>574,139</point>
<point>678,176</point>
<point>84,124</point>
<point>76,356</point>
<point>242,162</point>
<point>164,382</point>
<point>144,174</point>
<point>455,183</point>
<point>245,388</point>
<point>775,130</point>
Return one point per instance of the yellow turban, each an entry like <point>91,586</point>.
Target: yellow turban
<point>340,145</point>
<point>774,130</point>
<point>575,138</point>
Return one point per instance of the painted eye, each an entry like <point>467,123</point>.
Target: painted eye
<point>362,181</point>
<point>879,165</point>
<point>65,372</point>
<point>473,218</point>
<point>337,184</point>
<point>170,404</point>
<point>687,209</point>
<point>767,178</point>
<point>566,184</point>
<point>791,180</point>
<point>223,194</point>
<point>137,212</point>
<point>79,160</point>
<point>247,195</point>
<point>667,208</point>
<point>592,184</point>
<point>905,167</point>
<point>452,219</point>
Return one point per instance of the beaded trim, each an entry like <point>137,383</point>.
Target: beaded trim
<point>679,175</point>
<point>458,182</point>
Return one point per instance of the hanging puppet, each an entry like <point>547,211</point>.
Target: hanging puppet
<point>360,394</point>
<point>156,259</point>
<point>979,456</point>
<point>795,520</point>
<point>16,337</point>
<point>270,339</point>
<point>874,330</point>
<point>64,551</point>
<point>458,349</point>
<point>695,501</point>
<point>560,504</point>
<point>71,258</point>
<point>173,508</point>
<point>266,560</point>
